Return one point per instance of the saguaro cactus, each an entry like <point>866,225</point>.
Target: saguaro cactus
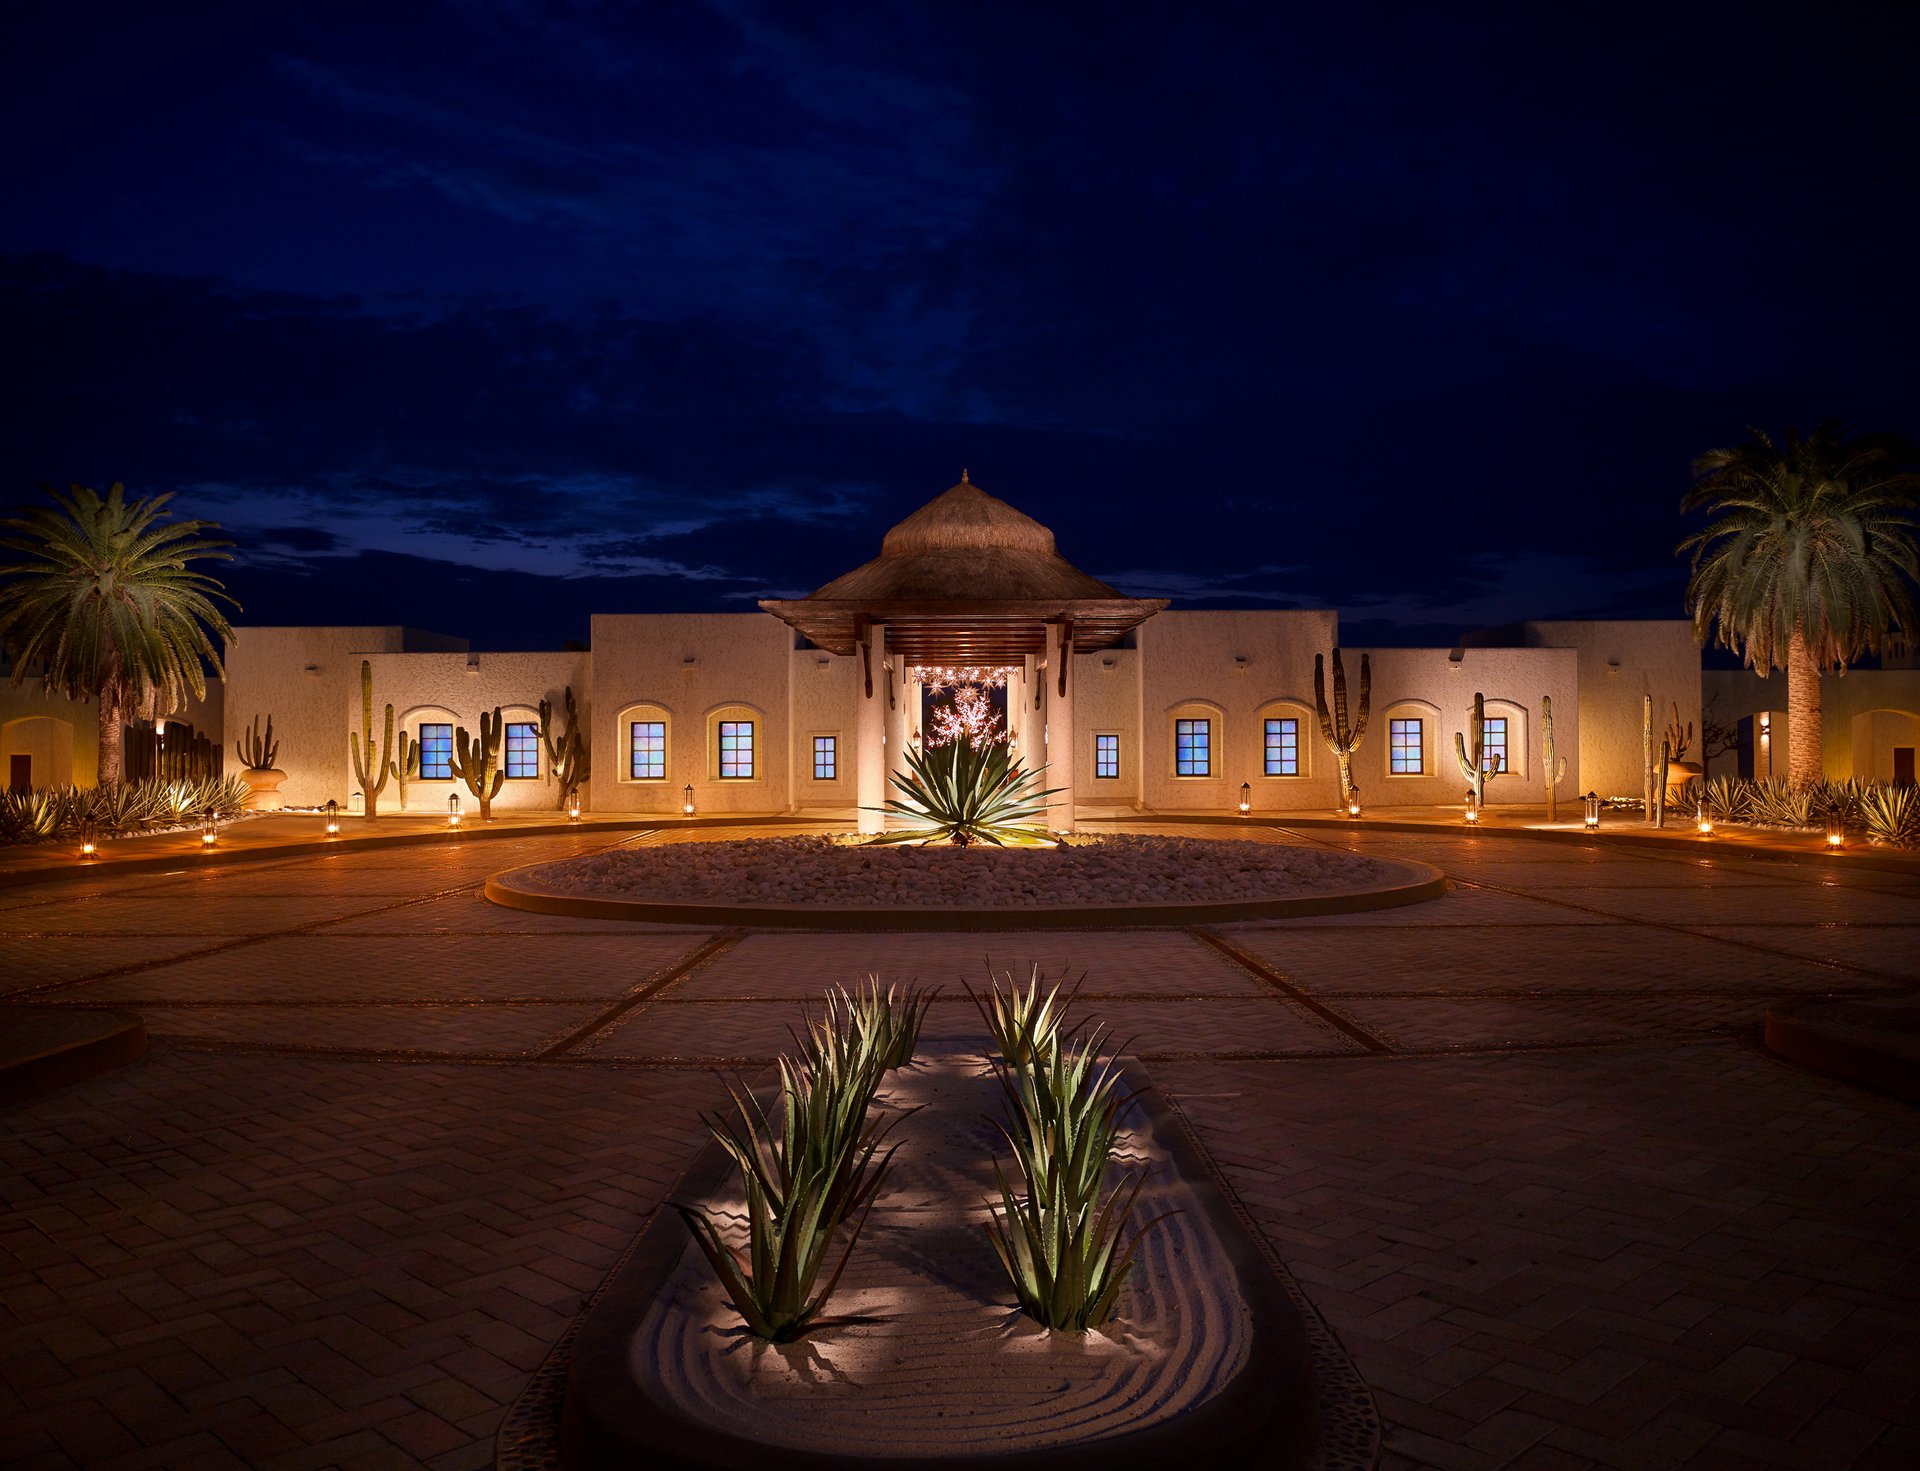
<point>256,751</point>
<point>1646,751</point>
<point>1472,762</point>
<point>405,766</point>
<point>1556,771</point>
<point>477,762</point>
<point>567,751</point>
<point>371,774</point>
<point>1660,787</point>
<point>1342,739</point>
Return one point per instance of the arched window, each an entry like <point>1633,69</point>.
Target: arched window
<point>1412,731</point>
<point>431,727</point>
<point>1286,737</point>
<point>645,730</point>
<point>520,743</point>
<point>736,743</point>
<point>1197,736</point>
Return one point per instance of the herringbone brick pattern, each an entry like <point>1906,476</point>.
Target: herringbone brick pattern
<point>1561,1217</point>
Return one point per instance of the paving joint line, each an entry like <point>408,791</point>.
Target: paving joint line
<point>710,949</point>
<point>1261,970</point>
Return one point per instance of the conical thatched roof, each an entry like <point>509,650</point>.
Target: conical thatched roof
<point>966,573</point>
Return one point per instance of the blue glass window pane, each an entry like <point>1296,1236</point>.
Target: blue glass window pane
<point>1192,747</point>
<point>649,750</point>
<point>825,757</point>
<point>1493,745</point>
<point>1106,756</point>
<point>1283,747</point>
<point>523,750</point>
<point>1404,754</point>
<point>436,753</point>
<point>736,749</point>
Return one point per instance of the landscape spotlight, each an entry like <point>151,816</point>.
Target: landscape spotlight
<point>453,810</point>
<point>1246,798</point>
<point>686,802</point>
<point>333,818</point>
<point>1592,799</point>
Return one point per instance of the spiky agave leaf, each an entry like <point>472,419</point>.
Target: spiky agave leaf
<point>1023,1025</point>
<point>1891,815</point>
<point>963,794</point>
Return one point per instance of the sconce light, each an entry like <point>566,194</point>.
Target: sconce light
<point>686,799</point>
<point>453,810</point>
<point>333,818</point>
<point>1592,799</point>
<point>209,829</point>
<point>1246,798</point>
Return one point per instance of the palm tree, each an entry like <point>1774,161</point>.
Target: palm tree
<point>107,603</point>
<point>1808,560</point>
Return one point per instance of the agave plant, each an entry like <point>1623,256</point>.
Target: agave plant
<point>1026,1026</point>
<point>1059,1238</point>
<point>1778,802</point>
<point>962,793</point>
<point>1729,798</point>
<point>29,817</point>
<point>1891,815</point>
<point>889,1020</point>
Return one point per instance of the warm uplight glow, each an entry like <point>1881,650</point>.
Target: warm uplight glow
<point>1835,839</point>
<point>1706,827</point>
<point>942,676</point>
<point>573,810</point>
<point>1473,814</point>
<point>209,830</point>
<point>86,848</point>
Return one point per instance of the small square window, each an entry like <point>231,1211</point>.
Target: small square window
<point>1283,747</point>
<point>436,753</point>
<point>1493,745</point>
<point>1405,756</point>
<point>736,750</point>
<point>649,740</point>
<point>826,758</point>
<point>1106,757</point>
<point>523,750</point>
<point>1193,748</point>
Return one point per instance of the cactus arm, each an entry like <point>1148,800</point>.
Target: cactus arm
<point>1339,697</point>
<point>1366,704</point>
<point>1660,790</point>
<point>1320,703</point>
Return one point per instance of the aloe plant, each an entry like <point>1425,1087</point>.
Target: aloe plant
<point>804,1178</point>
<point>962,793</point>
<point>889,1020</point>
<point>1024,1026</point>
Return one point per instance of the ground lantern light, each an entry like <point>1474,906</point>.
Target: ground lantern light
<point>453,810</point>
<point>1704,818</point>
<point>209,829</point>
<point>1472,812</point>
<point>333,818</point>
<point>687,800</point>
<point>1353,801</point>
<point>1246,798</point>
<point>1836,829</point>
<point>1592,799</point>
<point>89,838</point>
<point>573,808</point>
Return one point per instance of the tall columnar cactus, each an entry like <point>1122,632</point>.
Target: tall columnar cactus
<point>1556,771</point>
<point>405,766</point>
<point>257,751</point>
<point>1679,735</point>
<point>1660,787</point>
<point>477,762</point>
<point>566,751</point>
<point>1473,761</point>
<point>1342,739</point>
<point>1646,751</point>
<point>371,774</point>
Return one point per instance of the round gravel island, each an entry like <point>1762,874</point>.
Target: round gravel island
<point>838,883</point>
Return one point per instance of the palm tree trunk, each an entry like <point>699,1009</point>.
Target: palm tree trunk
<point>112,739</point>
<point>1804,766</point>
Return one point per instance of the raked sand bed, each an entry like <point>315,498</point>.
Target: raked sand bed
<point>924,1355</point>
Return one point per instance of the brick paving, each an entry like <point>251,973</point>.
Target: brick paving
<point>1516,1145</point>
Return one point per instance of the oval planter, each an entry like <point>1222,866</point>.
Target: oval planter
<point>1680,774</point>
<point>263,782</point>
<point>922,1359</point>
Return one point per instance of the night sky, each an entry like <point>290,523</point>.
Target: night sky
<point>486,317</point>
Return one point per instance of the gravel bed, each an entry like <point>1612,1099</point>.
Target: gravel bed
<point>834,874</point>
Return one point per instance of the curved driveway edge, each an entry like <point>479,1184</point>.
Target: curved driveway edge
<point>1410,883</point>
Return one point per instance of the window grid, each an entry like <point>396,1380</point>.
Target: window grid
<point>523,750</point>
<point>649,739</point>
<point>1493,744</point>
<point>1193,748</point>
<point>1283,747</point>
<point>436,753</point>
<point>826,754</point>
<point>1106,757</point>
<point>736,750</point>
<point>1405,755</point>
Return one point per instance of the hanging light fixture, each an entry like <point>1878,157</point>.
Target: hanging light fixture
<point>1246,798</point>
<point>453,810</point>
<point>1592,799</point>
<point>333,818</point>
<point>686,800</point>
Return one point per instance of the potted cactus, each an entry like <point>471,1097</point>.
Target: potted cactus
<point>1680,774</point>
<point>256,750</point>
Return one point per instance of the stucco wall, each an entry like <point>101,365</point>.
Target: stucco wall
<point>1864,714</point>
<point>1620,661</point>
<point>308,679</point>
<point>1228,667</point>
<point>1107,702</point>
<point>824,699</point>
<point>1437,686</point>
<point>456,688</point>
<point>689,666</point>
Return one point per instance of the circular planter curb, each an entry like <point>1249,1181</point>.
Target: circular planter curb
<point>1269,1414</point>
<point>49,1047</point>
<point>1414,883</point>
<point>1806,1041</point>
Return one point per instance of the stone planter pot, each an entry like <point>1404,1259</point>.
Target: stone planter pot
<point>264,784</point>
<point>1679,775</point>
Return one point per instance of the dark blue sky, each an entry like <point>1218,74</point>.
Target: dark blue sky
<point>484,317</point>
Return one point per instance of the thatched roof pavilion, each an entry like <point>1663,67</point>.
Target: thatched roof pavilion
<point>966,579</point>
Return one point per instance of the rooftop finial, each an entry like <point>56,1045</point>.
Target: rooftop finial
<point>963,476</point>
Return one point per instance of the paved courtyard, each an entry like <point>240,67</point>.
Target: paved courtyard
<point>1518,1146</point>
